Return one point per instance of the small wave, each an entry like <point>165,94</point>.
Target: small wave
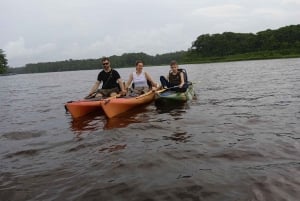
<point>178,137</point>
<point>81,146</point>
<point>183,176</point>
<point>22,135</point>
<point>215,88</point>
<point>239,155</point>
<point>279,187</point>
<point>29,152</point>
<point>236,99</point>
<point>243,114</point>
<point>274,165</point>
<point>113,148</point>
<point>44,110</point>
<point>50,86</point>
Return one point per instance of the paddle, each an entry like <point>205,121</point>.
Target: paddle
<point>90,96</point>
<point>162,90</point>
<point>145,94</point>
<point>106,100</point>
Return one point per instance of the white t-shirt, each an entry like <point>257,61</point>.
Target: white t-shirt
<point>140,80</point>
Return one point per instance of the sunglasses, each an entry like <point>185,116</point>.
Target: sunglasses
<point>105,64</point>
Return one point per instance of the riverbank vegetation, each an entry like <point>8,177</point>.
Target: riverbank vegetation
<point>228,46</point>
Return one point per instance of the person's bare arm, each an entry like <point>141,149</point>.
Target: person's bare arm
<point>148,77</point>
<point>95,87</point>
<point>129,81</point>
<point>181,80</point>
<point>123,91</point>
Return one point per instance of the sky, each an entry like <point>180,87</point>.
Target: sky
<point>35,31</point>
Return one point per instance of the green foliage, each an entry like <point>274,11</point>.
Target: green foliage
<point>3,62</point>
<point>125,60</point>
<point>228,43</point>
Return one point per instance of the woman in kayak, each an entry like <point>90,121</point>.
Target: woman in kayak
<point>112,82</point>
<point>175,79</point>
<point>140,80</point>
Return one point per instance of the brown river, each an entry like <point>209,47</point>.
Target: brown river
<point>238,140</point>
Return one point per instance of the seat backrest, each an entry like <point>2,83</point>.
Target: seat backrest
<point>184,74</point>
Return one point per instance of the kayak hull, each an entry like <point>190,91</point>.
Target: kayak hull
<point>117,106</point>
<point>82,107</point>
<point>169,95</point>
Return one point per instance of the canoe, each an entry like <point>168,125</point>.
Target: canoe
<point>170,95</point>
<point>82,107</point>
<point>116,106</point>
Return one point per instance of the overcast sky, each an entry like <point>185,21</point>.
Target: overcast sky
<point>50,30</point>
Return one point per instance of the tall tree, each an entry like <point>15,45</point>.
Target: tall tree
<point>3,62</point>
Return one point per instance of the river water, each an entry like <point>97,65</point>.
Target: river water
<point>239,140</point>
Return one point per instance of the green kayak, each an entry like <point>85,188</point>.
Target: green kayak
<point>170,95</point>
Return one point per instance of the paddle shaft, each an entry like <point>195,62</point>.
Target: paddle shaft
<point>162,90</point>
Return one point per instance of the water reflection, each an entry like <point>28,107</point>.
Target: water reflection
<point>137,115</point>
<point>90,122</point>
<point>172,107</point>
<point>97,120</point>
<point>120,122</point>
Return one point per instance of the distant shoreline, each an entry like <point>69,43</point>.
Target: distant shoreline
<point>8,74</point>
<point>206,61</point>
<point>180,57</point>
<point>244,57</point>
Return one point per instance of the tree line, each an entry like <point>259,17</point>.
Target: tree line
<point>284,41</point>
<point>125,60</point>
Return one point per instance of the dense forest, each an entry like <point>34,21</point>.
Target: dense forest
<point>278,43</point>
<point>228,46</point>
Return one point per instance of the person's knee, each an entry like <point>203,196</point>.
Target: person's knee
<point>163,81</point>
<point>98,95</point>
<point>161,78</point>
<point>113,94</point>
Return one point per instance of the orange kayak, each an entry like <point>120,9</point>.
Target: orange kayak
<point>82,107</point>
<point>116,106</point>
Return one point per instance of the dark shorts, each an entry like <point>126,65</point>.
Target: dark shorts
<point>107,92</point>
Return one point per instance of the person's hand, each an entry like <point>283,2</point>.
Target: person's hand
<point>180,86</point>
<point>123,92</point>
<point>90,95</point>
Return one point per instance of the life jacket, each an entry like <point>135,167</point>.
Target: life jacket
<point>175,79</point>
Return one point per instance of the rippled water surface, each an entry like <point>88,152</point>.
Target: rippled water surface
<point>239,140</point>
